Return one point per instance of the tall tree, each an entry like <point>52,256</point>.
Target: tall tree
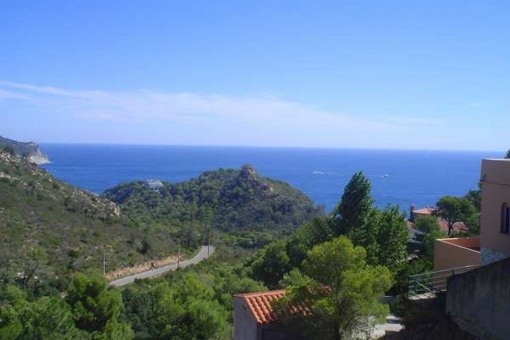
<point>392,237</point>
<point>341,295</point>
<point>354,207</point>
<point>454,209</point>
<point>96,308</point>
<point>430,231</point>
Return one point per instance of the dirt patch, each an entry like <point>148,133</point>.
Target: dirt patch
<point>127,271</point>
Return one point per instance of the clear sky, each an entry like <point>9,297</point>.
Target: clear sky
<point>364,74</point>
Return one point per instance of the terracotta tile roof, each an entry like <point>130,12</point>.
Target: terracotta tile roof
<point>260,305</point>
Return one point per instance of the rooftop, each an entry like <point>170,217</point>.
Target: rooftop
<point>260,305</point>
<point>424,211</point>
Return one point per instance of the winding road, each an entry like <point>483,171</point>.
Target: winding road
<point>204,253</point>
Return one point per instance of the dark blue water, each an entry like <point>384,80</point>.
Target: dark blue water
<point>398,177</point>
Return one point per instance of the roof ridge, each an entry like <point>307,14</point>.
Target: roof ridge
<point>265,293</point>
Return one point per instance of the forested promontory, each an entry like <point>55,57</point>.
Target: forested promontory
<point>225,199</point>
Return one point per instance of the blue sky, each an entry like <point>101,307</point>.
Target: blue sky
<point>341,74</point>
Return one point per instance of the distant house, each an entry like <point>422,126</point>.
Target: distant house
<point>414,213</point>
<point>254,318</point>
<point>430,211</point>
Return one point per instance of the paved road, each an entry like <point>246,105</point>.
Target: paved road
<point>202,255</point>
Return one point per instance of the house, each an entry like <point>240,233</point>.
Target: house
<point>479,299</point>
<point>254,318</point>
<point>413,212</point>
<point>494,241</point>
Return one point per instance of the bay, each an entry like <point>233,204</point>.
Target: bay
<point>398,177</point>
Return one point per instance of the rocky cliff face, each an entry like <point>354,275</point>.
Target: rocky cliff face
<point>30,151</point>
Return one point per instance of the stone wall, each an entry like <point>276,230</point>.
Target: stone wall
<point>479,300</point>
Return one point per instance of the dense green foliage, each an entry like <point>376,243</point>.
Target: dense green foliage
<point>338,290</point>
<point>228,200</point>
<point>196,303</point>
<point>428,232</point>
<point>337,265</point>
<point>89,311</point>
<point>354,208</point>
<point>382,233</point>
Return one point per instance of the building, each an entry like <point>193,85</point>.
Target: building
<point>254,318</point>
<point>479,299</point>
<point>495,217</point>
<point>494,241</point>
<point>414,213</point>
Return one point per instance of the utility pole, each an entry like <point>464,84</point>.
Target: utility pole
<point>208,240</point>
<point>104,262</point>
<point>179,256</point>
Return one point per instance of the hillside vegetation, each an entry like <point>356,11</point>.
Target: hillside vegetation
<point>49,228</point>
<point>227,200</point>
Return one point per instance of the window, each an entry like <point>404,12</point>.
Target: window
<point>505,219</point>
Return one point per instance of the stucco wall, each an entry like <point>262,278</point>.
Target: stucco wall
<point>479,300</point>
<point>495,178</point>
<point>453,252</point>
<point>245,327</point>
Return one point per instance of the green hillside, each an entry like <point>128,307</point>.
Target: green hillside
<point>228,200</point>
<point>49,228</point>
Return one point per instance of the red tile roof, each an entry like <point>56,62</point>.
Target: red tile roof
<point>424,211</point>
<point>260,305</point>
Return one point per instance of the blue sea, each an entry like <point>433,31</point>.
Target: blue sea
<point>398,177</point>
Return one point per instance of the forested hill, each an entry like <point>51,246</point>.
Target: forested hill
<point>49,228</point>
<point>225,199</point>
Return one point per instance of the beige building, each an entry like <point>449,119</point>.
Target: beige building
<point>495,219</point>
<point>494,241</point>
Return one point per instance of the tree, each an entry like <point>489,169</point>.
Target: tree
<point>454,209</point>
<point>354,207</point>
<point>475,197</point>
<point>186,309</point>
<point>340,296</point>
<point>392,234</point>
<point>96,308</point>
<point>507,155</point>
<point>429,232</point>
<point>306,237</point>
<point>271,263</point>
<point>48,317</point>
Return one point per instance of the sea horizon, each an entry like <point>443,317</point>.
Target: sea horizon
<point>42,144</point>
<point>398,177</point>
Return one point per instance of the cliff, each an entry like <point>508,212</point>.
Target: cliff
<point>30,151</point>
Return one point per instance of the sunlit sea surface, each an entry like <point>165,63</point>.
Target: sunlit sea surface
<point>398,177</point>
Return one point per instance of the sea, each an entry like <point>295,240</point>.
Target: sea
<point>398,177</point>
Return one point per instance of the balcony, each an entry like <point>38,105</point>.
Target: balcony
<point>456,252</point>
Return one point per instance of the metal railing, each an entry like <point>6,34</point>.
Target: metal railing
<point>427,285</point>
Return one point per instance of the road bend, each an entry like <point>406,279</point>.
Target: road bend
<point>203,254</point>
